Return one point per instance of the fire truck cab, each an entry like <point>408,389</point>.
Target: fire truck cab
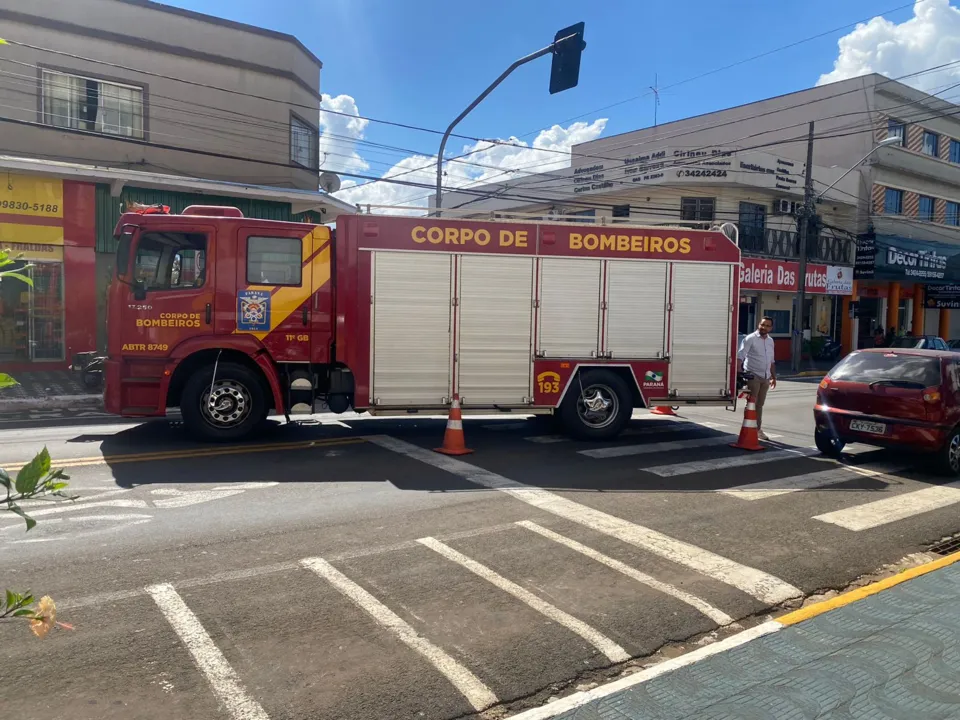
<point>230,319</point>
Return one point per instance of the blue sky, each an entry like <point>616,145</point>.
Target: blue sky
<point>422,61</point>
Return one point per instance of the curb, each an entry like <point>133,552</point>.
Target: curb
<point>580,699</point>
<point>52,402</point>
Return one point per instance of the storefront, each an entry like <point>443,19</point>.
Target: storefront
<point>907,285</point>
<point>47,225</point>
<point>769,288</point>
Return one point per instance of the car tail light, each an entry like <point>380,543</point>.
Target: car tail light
<point>931,394</point>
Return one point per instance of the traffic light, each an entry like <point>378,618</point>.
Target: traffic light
<point>565,72</point>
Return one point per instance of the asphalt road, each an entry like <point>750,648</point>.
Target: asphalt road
<point>343,570</point>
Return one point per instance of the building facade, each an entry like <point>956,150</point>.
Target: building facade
<point>139,85</point>
<point>895,216</point>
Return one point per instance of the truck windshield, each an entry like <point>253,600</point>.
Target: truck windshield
<point>872,367</point>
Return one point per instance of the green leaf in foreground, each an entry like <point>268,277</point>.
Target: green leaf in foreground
<point>31,473</point>
<point>7,382</point>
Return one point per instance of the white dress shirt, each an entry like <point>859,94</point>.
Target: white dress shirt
<point>757,354</point>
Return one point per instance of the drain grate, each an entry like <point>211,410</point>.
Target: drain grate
<point>947,546</point>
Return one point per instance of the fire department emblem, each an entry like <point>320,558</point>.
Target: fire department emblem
<point>253,310</point>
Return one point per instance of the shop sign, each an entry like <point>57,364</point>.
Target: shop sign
<point>890,257</point>
<point>31,196</point>
<point>32,242</point>
<point>839,280</point>
<point>943,296</point>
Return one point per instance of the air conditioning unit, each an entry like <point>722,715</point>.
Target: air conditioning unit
<point>782,206</point>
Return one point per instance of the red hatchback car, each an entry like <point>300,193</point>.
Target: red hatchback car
<point>895,398</point>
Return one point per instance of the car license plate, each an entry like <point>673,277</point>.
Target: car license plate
<point>868,427</point>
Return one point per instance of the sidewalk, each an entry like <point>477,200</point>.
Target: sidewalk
<point>55,389</point>
<point>888,650</point>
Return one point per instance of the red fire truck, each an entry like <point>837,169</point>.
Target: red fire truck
<point>231,319</point>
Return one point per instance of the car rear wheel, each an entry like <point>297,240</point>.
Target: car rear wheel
<point>830,445</point>
<point>950,454</point>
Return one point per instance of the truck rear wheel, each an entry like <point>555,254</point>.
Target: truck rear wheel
<point>227,407</point>
<point>601,410</point>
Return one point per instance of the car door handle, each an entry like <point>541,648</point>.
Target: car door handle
<point>209,313</point>
<point>305,316</point>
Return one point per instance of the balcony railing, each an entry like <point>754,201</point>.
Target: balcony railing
<point>829,247</point>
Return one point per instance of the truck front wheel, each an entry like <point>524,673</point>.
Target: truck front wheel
<point>225,407</point>
<point>598,406</point>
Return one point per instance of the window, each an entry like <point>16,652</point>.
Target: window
<point>81,103</point>
<point>304,144</point>
<point>872,367</point>
<point>697,209</point>
<point>897,129</point>
<point>931,144</point>
<point>592,214</point>
<point>781,321</point>
<point>925,211</point>
<point>955,151</point>
<point>274,260</point>
<point>893,202</point>
<point>171,261</point>
<point>621,211</point>
<point>953,214</point>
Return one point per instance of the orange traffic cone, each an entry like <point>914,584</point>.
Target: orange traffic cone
<point>453,440</point>
<point>662,410</point>
<point>749,438</point>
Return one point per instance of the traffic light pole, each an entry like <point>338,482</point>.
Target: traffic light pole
<point>807,213</point>
<point>446,136</point>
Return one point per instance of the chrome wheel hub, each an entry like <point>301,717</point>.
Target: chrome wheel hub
<point>227,404</point>
<point>598,406</point>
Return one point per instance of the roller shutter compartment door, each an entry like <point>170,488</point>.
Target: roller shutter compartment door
<point>411,329</point>
<point>700,330</point>
<point>569,307</point>
<point>636,309</point>
<point>494,328</point>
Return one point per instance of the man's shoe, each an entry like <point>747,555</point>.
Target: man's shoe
<point>762,435</point>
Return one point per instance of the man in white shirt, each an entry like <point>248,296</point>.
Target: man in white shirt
<point>755,356</point>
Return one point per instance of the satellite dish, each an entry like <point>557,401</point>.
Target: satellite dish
<point>330,182</point>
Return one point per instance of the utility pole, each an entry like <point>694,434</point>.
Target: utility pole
<point>656,98</point>
<point>806,216</point>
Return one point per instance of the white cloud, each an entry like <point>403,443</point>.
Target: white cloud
<point>338,135</point>
<point>928,39</point>
<point>499,163</point>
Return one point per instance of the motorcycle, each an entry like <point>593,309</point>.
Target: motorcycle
<point>829,351</point>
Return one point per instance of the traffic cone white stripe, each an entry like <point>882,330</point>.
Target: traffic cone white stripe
<point>751,406</point>
<point>749,423</point>
<point>454,425</point>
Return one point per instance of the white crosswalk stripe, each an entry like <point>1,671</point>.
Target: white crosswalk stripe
<point>809,481</point>
<point>472,688</point>
<point>880,512</point>
<point>761,585</point>
<point>600,641</point>
<point>658,447</point>
<point>718,616</point>
<point>732,461</point>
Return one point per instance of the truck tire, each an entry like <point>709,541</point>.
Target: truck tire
<point>601,410</point>
<point>237,407</point>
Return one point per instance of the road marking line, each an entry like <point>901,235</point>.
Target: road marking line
<point>809,481</point>
<point>600,641</point>
<point>207,656</point>
<point>763,586</point>
<point>472,688</point>
<point>728,462</point>
<point>193,453</point>
<point>580,699</point>
<point>899,507</point>
<point>715,614</point>
<point>65,508</point>
<point>650,448</point>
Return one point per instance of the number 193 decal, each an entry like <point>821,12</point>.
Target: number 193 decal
<point>549,383</point>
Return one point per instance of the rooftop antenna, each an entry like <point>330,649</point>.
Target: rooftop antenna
<point>656,98</point>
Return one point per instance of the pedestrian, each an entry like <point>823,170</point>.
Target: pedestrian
<point>878,338</point>
<point>756,356</point>
<point>891,334</point>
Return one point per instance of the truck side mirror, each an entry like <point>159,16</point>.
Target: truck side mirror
<point>139,290</point>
